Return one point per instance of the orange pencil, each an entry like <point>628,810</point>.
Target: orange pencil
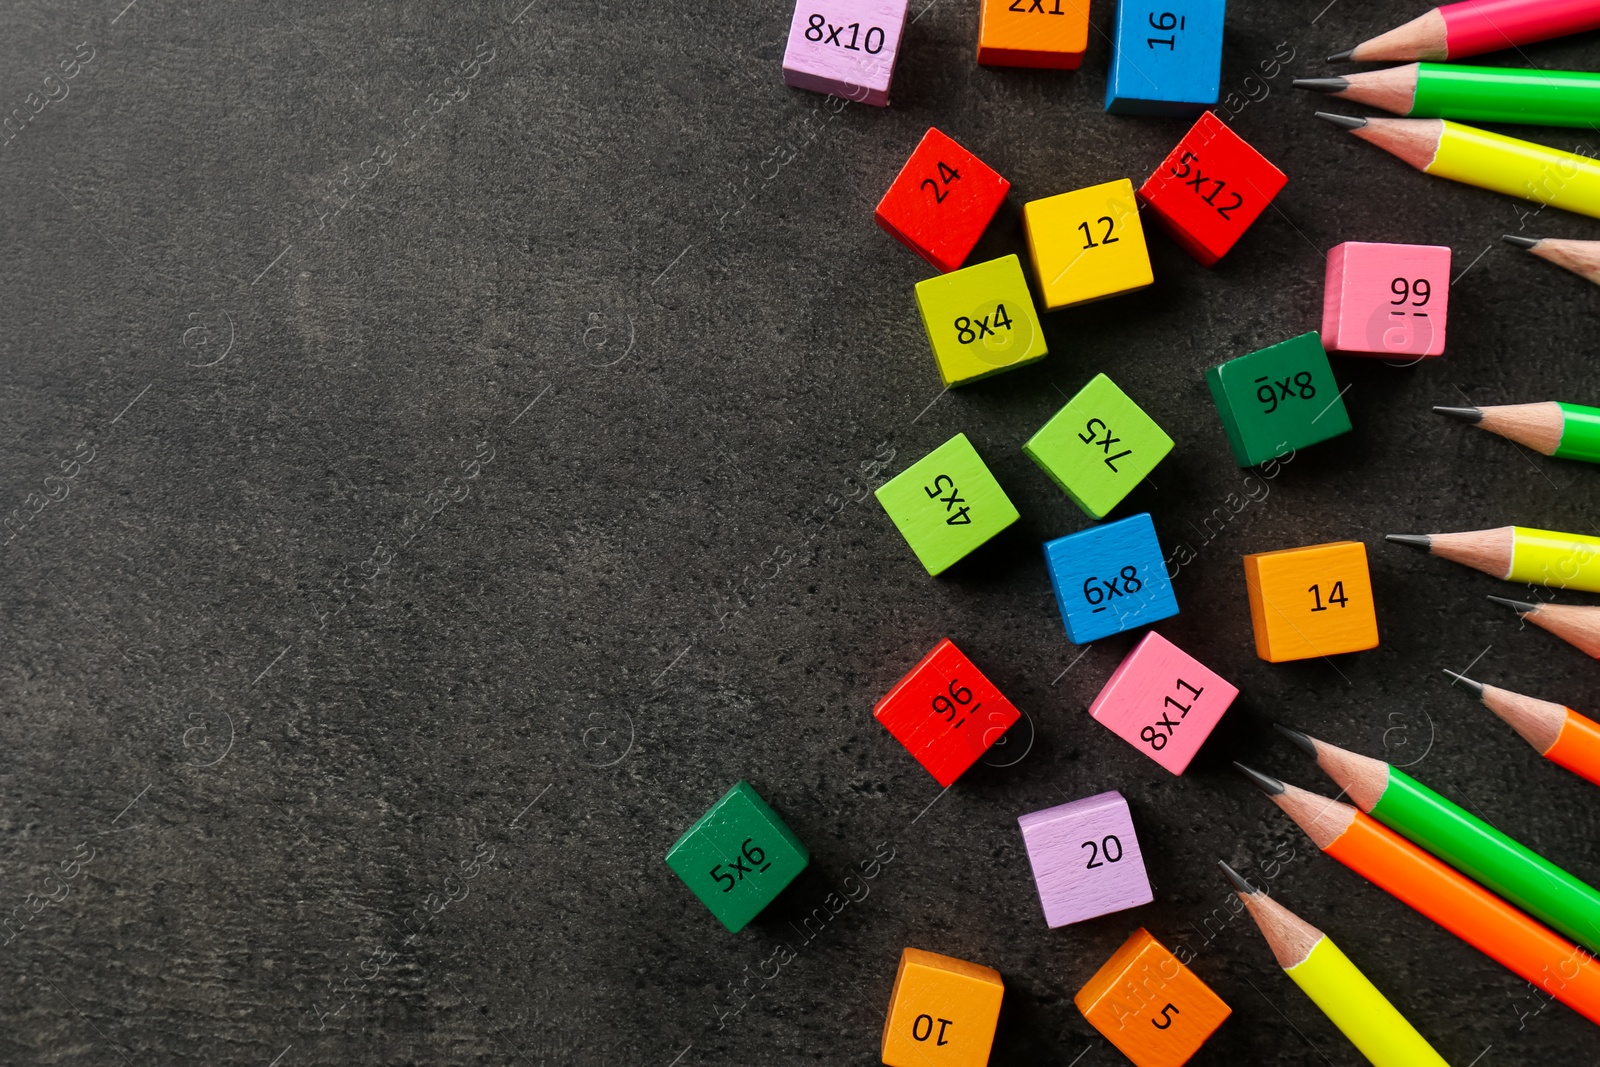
<point>1560,734</point>
<point>1460,905</point>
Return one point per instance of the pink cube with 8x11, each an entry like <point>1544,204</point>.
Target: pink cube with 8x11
<point>1163,702</point>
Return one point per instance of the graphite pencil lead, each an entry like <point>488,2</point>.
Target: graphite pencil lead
<point>1422,541</point>
<point>1237,879</point>
<point>1476,687</point>
<point>1301,741</point>
<point>1340,57</point>
<point>1462,414</point>
<point>1520,242</point>
<point>1264,782</point>
<point>1344,122</point>
<point>1521,607</point>
<point>1322,85</point>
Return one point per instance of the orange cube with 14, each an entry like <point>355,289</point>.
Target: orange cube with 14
<point>1209,190</point>
<point>1312,601</point>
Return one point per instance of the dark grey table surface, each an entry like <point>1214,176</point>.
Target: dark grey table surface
<point>435,431</point>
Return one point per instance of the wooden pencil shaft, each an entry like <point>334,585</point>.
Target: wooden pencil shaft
<point>1576,624</point>
<point>1466,909</point>
<point>1477,26</point>
<point>1580,257</point>
<point>1537,722</point>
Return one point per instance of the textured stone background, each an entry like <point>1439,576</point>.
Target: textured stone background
<point>473,499</point>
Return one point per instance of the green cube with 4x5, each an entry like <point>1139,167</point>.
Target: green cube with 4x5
<point>1099,446</point>
<point>946,504</point>
<point>1277,400</point>
<point>738,857</point>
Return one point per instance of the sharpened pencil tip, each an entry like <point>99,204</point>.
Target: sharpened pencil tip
<point>1340,57</point>
<point>1476,687</point>
<point>1322,85</point>
<point>1460,414</point>
<point>1521,607</point>
<point>1301,741</point>
<point>1422,541</point>
<point>1344,122</point>
<point>1264,782</point>
<point>1237,879</point>
<point>1520,242</point>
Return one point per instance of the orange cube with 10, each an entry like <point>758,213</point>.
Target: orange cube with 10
<point>1311,601</point>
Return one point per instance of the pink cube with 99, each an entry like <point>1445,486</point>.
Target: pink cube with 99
<point>1163,702</point>
<point>1386,300</point>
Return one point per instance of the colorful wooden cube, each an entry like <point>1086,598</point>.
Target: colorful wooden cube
<point>1149,1005</point>
<point>1085,858</point>
<point>1099,446</point>
<point>1386,300</point>
<point>946,504</point>
<point>1033,33</point>
<point>845,47</point>
<point>1166,57</point>
<point>1277,400</point>
<point>946,712</point>
<point>941,201</point>
<point>1110,578</point>
<point>1312,601</point>
<point>1209,190</point>
<point>1087,244</point>
<point>1163,702</point>
<point>738,856</point>
<point>942,1012</point>
<point>980,320</point>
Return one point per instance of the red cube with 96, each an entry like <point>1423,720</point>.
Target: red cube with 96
<point>941,202</point>
<point>1209,190</point>
<point>946,712</point>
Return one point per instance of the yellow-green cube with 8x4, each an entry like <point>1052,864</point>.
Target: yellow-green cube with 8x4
<point>946,504</point>
<point>980,320</point>
<point>738,856</point>
<point>1099,446</point>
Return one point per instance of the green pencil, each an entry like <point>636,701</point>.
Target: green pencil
<point>1464,841</point>
<point>1486,94</point>
<point>1565,431</point>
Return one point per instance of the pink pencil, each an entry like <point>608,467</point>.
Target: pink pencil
<point>1473,27</point>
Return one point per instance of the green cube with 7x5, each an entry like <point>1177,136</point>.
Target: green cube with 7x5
<point>1277,400</point>
<point>980,320</point>
<point>738,856</point>
<point>1099,446</point>
<point>946,504</point>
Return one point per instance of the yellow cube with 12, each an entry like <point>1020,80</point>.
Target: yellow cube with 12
<point>1087,244</point>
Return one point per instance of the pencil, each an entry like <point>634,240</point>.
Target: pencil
<point>1474,27</point>
<point>1580,257</point>
<point>1482,94</point>
<point>1519,554</point>
<point>1501,865</point>
<point>1565,431</point>
<point>1467,154</point>
<point>1575,624</point>
<point>1334,984</point>
<point>1466,909</point>
<point>1557,733</point>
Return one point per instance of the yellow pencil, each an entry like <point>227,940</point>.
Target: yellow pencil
<point>1467,154</point>
<point>1333,983</point>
